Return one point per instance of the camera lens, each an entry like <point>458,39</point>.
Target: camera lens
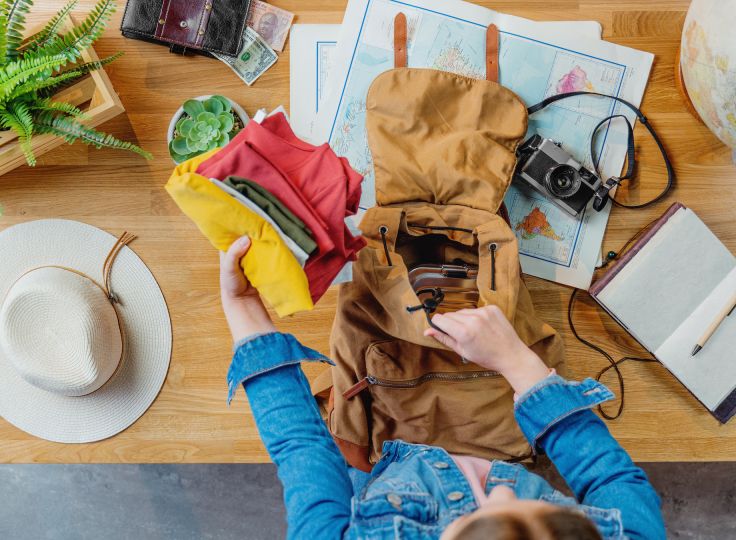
<point>562,181</point>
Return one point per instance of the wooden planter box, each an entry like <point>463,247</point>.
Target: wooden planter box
<point>93,94</point>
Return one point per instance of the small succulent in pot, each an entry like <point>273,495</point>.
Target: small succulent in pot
<point>203,126</point>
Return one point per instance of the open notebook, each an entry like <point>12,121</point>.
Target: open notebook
<point>666,291</point>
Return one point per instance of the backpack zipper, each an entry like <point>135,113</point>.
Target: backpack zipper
<point>370,380</point>
<point>493,247</point>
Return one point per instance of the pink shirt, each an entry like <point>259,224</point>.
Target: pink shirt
<point>475,470</point>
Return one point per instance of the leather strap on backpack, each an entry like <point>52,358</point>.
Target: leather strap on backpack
<point>400,41</point>
<point>401,34</point>
<point>492,53</point>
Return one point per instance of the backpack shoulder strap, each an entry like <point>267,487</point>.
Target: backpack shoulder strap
<point>400,40</point>
<point>492,53</point>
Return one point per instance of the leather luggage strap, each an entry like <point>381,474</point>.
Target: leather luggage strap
<point>184,22</point>
<point>400,41</point>
<point>492,53</point>
<point>401,45</point>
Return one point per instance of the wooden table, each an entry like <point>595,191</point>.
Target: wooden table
<point>116,191</point>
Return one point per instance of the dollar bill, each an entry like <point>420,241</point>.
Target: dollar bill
<point>270,22</point>
<point>254,58</point>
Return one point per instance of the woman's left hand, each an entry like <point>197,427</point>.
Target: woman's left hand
<point>244,310</point>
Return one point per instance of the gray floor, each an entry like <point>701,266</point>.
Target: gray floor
<point>182,502</point>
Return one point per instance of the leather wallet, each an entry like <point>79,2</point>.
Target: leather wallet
<point>188,26</point>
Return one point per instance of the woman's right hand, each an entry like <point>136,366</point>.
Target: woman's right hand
<point>243,308</point>
<point>485,337</point>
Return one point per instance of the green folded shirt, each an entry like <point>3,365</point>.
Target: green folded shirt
<point>291,225</point>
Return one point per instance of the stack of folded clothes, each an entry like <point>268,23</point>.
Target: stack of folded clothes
<point>290,197</point>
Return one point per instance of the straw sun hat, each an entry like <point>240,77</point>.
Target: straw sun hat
<point>85,335</point>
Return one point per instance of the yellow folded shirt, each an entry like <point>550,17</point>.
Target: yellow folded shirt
<point>269,265</point>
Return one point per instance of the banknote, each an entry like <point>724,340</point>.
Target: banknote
<point>270,22</point>
<point>254,58</point>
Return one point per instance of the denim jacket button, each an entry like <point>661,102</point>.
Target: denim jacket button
<point>455,496</point>
<point>441,465</point>
<point>395,500</point>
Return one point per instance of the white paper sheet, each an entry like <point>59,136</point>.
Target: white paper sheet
<point>535,62</point>
<point>662,285</point>
<point>313,48</point>
<point>711,374</point>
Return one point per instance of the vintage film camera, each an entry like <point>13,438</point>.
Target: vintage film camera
<point>544,165</point>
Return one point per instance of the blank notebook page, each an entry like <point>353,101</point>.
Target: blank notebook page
<point>663,284</point>
<point>711,375</point>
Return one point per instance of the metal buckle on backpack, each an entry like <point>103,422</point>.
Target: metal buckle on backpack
<point>455,271</point>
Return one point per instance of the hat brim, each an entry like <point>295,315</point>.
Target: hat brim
<point>145,322</point>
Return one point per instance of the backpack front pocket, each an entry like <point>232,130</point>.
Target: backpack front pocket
<point>434,398</point>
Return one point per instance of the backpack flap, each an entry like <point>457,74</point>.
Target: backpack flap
<point>442,138</point>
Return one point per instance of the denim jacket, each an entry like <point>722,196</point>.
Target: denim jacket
<point>416,491</point>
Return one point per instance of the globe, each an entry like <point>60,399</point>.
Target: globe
<point>708,65</point>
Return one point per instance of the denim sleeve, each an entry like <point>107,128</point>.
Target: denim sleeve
<point>317,488</point>
<point>555,417</point>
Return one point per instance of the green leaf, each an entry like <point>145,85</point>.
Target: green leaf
<point>74,42</point>
<point>204,116</point>
<point>52,85</point>
<point>193,107</point>
<point>185,126</point>
<point>199,129</point>
<point>226,105</point>
<point>37,86</point>
<point>224,139</point>
<point>173,152</point>
<point>19,119</point>
<point>57,106</point>
<point>52,26</point>
<point>192,145</point>
<point>212,145</point>
<point>179,158</point>
<point>214,106</point>
<point>179,145</point>
<point>71,130</point>
<point>19,71</point>
<point>226,122</point>
<point>213,123</point>
<point>12,25</point>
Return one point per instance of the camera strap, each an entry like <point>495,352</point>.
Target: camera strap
<point>631,159</point>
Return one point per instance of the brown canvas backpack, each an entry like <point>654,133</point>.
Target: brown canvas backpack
<point>443,149</point>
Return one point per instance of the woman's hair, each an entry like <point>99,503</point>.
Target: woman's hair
<point>560,524</point>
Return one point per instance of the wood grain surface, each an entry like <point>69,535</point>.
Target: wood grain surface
<point>116,191</point>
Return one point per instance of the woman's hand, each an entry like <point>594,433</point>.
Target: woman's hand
<point>484,336</point>
<point>243,308</point>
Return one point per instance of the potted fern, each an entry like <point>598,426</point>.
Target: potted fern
<point>34,70</point>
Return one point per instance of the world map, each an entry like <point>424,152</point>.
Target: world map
<point>535,223</point>
<point>542,230</point>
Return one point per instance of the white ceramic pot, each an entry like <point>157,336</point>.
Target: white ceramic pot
<point>237,109</point>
